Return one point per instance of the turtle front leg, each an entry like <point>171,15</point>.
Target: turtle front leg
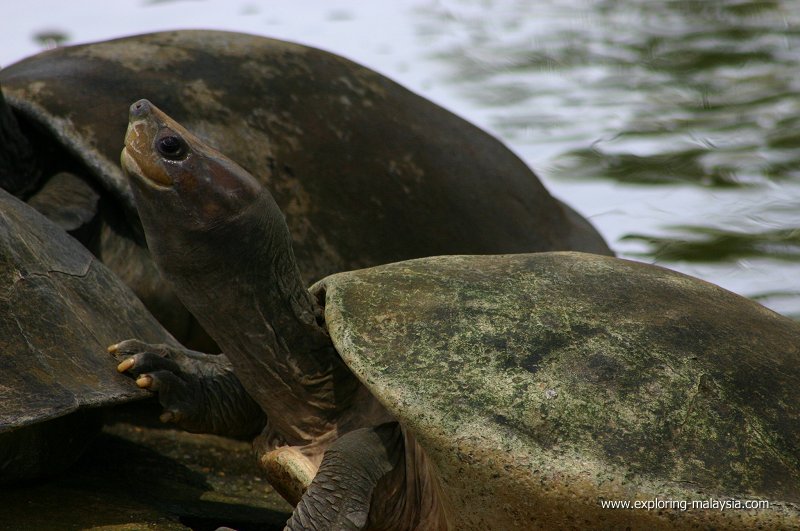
<point>340,495</point>
<point>199,392</point>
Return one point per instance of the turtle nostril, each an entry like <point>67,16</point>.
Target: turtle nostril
<point>139,109</point>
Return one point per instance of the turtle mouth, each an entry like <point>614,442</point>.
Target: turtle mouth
<point>137,157</point>
<point>129,164</point>
<point>132,168</point>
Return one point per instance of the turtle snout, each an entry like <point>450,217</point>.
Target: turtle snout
<point>140,109</point>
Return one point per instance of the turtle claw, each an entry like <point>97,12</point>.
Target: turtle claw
<point>170,416</point>
<point>144,381</point>
<point>125,365</point>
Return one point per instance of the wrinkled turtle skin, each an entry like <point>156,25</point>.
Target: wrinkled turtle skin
<point>365,171</point>
<point>59,309</point>
<point>540,384</point>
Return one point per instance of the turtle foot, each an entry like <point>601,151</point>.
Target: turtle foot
<point>340,495</point>
<point>199,392</point>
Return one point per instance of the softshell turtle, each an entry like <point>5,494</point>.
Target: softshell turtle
<point>365,171</point>
<point>59,307</point>
<point>468,392</point>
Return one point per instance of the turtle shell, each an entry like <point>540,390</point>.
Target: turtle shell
<point>59,310</point>
<point>365,171</point>
<point>543,384</point>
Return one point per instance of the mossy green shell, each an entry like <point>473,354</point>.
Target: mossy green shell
<point>542,384</point>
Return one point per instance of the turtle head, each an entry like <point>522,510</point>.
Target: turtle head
<point>193,201</point>
<point>177,174</point>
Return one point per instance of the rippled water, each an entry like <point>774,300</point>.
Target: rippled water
<point>673,125</point>
<point>687,110</point>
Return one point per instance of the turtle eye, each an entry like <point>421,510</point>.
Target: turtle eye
<point>171,146</point>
